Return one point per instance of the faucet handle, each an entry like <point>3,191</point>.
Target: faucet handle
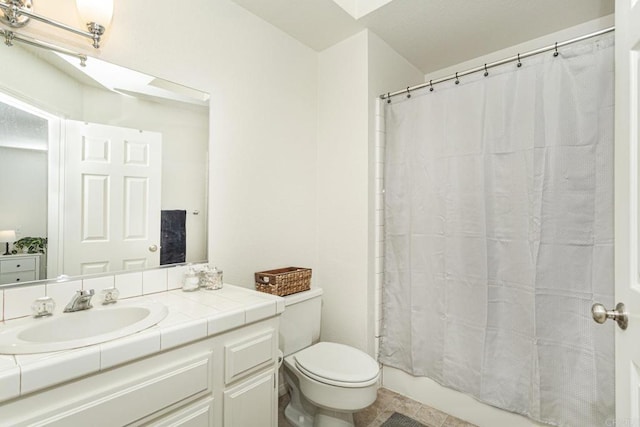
<point>86,293</point>
<point>109,296</point>
<point>43,307</point>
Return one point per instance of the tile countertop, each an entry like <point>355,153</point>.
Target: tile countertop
<point>192,316</point>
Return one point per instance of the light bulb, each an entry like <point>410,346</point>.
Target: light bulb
<point>96,11</point>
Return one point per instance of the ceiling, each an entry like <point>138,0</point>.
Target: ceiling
<point>431,34</point>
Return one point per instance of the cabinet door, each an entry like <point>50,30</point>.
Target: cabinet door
<point>199,414</point>
<point>252,403</point>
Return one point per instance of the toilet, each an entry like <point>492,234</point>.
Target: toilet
<point>328,381</point>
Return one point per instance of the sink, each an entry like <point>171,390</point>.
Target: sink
<point>72,330</point>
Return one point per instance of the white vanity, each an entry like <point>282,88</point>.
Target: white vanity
<point>211,362</point>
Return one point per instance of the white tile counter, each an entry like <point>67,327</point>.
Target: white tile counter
<point>192,316</point>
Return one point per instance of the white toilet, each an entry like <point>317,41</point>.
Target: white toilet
<point>327,381</point>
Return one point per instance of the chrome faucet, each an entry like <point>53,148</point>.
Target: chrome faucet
<point>80,301</point>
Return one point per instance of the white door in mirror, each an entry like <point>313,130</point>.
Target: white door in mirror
<point>112,198</point>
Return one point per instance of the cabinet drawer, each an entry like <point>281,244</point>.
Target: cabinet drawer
<point>140,398</point>
<point>16,265</point>
<point>199,414</point>
<point>249,355</point>
<point>19,276</point>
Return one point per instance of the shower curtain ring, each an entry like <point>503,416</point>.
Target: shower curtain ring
<point>519,63</point>
<point>431,85</point>
<point>388,98</point>
<point>486,73</point>
<point>556,52</point>
<point>408,92</point>
<point>457,81</point>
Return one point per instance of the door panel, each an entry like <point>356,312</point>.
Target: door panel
<point>112,194</point>
<point>627,280</point>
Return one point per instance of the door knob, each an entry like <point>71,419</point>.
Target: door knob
<point>601,314</point>
<point>153,248</point>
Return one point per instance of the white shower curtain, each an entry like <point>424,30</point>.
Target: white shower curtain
<point>499,235</point>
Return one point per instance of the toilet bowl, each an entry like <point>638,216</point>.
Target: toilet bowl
<point>327,381</point>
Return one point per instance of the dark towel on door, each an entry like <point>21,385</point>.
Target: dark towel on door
<point>173,238</point>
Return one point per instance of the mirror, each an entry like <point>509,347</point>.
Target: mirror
<point>108,164</point>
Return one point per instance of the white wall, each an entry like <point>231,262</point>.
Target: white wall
<point>51,91</point>
<point>278,111</point>
<point>24,192</point>
<point>263,88</point>
<point>352,74</point>
<point>343,190</point>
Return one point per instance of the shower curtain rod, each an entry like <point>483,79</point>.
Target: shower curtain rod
<point>485,67</point>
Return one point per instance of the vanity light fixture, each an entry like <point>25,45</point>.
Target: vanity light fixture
<point>95,13</point>
<point>7,236</point>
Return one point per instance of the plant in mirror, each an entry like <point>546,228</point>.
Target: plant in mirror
<point>107,166</point>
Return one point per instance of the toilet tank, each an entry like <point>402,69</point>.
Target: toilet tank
<point>300,321</point>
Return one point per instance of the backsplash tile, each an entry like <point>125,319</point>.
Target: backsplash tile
<point>129,284</point>
<point>62,292</point>
<point>98,283</point>
<point>154,281</point>
<point>379,222</point>
<point>175,276</point>
<point>17,301</point>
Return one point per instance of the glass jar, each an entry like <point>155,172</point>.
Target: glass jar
<point>191,280</point>
<point>211,279</point>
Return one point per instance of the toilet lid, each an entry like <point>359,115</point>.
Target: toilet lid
<point>336,364</point>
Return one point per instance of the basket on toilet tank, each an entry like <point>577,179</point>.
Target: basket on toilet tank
<point>284,281</point>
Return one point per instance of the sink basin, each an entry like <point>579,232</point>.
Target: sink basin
<point>72,330</point>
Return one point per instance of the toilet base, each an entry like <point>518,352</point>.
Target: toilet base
<point>325,418</point>
<point>302,413</point>
<point>322,418</point>
<point>297,417</point>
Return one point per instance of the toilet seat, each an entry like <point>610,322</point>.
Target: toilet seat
<point>337,365</point>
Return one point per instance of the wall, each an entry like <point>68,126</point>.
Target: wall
<point>263,118</point>
<point>351,76</point>
<point>278,111</point>
<point>184,128</point>
<point>24,191</point>
<point>263,124</point>
<point>185,144</point>
<point>343,190</point>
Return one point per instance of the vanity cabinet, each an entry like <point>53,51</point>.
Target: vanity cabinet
<point>252,402</point>
<point>228,380</point>
<point>19,268</point>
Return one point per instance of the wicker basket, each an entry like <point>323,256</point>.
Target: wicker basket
<point>284,281</point>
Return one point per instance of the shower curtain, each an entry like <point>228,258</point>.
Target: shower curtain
<point>499,235</point>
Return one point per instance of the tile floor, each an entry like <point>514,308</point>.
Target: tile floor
<point>386,404</point>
